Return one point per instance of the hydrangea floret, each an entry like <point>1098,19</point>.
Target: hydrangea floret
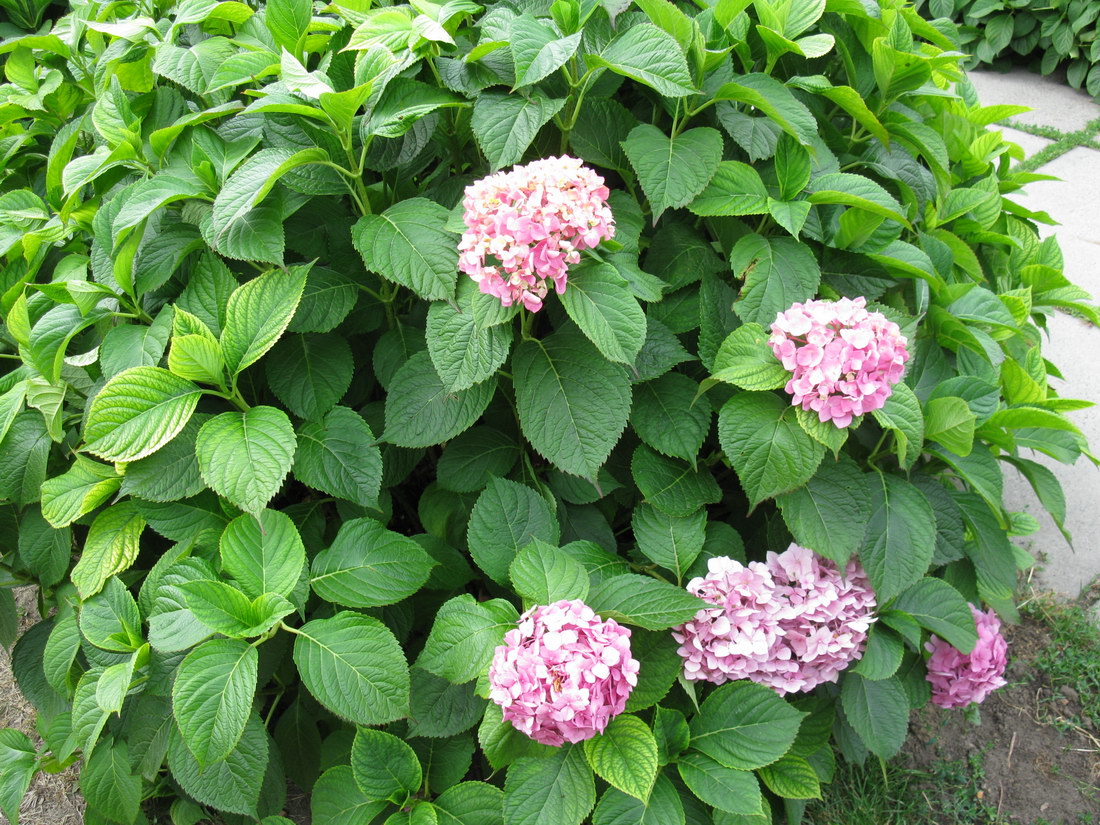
<point>563,672</point>
<point>792,622</point>
<point>957,678</point>
<point>526,226</point>
<point>843,359</point>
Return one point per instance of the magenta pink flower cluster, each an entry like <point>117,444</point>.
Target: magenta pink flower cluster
<point>961,678</point>
<point>526,226</point>
<point>844,360</point>
<point>563,673</point>
<point>791,623</point>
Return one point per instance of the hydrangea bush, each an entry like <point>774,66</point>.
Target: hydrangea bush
<point>509,413</point>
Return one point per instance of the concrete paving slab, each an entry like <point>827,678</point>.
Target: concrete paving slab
<point>1074,347</point>
<point>1028,142</point>
<point>1052,101</point>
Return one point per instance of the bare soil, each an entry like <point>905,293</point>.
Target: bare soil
<point>1039,766</point>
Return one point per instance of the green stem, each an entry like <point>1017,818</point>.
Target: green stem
<point>233,398</point>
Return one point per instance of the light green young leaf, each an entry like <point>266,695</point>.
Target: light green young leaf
<point>85,486</point>
<point>257,314</point>
<point>245,456</point>
<point>110,547</point>
<point>263,553</point>
<point>745,360</point>
<point>212,697</point>
<point>137,412</point>
<point>625,756</point>
<point>735,189</point>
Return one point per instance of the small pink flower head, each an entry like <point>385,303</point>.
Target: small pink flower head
<point>961,678</point>
<point>563,673</point>
<point>844,360</point>
<point>791,623</point>
<point>526,226</point>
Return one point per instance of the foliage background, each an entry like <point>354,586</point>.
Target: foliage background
<point>1053,34</point>
<point>287,478</point>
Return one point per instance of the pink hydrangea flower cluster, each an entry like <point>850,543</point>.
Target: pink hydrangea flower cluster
<point>961,678</point>
<point>844,360</point>
<point>791,623</point>
<point>526,226</point>
<point>563,673</point>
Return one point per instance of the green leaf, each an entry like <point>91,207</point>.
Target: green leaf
<point>763,441</point>
<point>639,600</point>
<point>212,697</point>
<point>558,790</point>
<point>940,608</point>
<point>43,549</point>
<point>110,619</point>
<point>745,360</point>
<point>672,171</point>
<point>856,191</point>
<point>900,538</point>
<point>231,784</point>
<point>600,302</point>
<point>661,665</point>
<point>257,314</point>
<point>669,417</point>
<point>902,414</point>
<point>663,808</point>
<point>409,245</point>
<point>225,609</point>
<point>85,486</point>
<point>735,189</point>
<point>884,650</point>
<point>338,455</point>
<point>327,299</point>
<point>421,411</point>
<point>506,517</point>
<point>744,725</point>
<point>150,195</point>
<point>208,290</point>
<point>245,456</point>
<point>384,767</point>
<point>110,547</point>
<point>777,271</point>
<point>354,666</point>
<point>464,635</point>
<point>537,50</point>
<point>830,514</point>
<point>108,783</point>
<point>878,711</point>
<point>791,777</point>
<point>405,102</point>
<point>650,56</point>
<point>471,803</point>
<point>950,422</point>
<point>506,124</point>
<point>573,405</point>
<point>337,800</point>
<point>369,566</point>
<point>791,215</point>
<point>462,353</point>
<point>439,708</point>
<point>196,358</point>
<point>541,574</point>
<point>288,21</point>
<point>673,542</point>
<point>310,373</point>
<point>137,412</point>
<point>472,458</point>
<point>625,756</point>
<point>18,763</point>
<point>775,100</point>
<point>263,553</point>
<point>60,653</point>
<point>727,789</point>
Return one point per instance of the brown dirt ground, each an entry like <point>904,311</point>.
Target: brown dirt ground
<point>52,799</point>
<point>1038,766</point>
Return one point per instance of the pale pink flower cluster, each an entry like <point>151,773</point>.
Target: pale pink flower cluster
<point>526,226</point>
<point>844,360</point>
<point>563,673</point>
<point>961,678</point>
<point>791,623</point>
